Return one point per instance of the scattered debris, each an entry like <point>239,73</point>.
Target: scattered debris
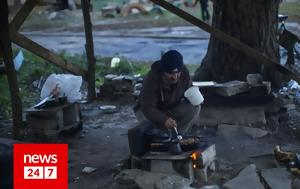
<point>69,86</point>
<point>210,187</point>
<point>82,135</point>
<point>202,84</point>
<point>254,79</point>
<point>108,109</point>
<point>115,61</point>
<point>82,101</point>
<point>76,179</point>
<point>39,83</point>
<point>88,170</point>
<point>225,167</point>
<point>120,85</point>
<point>292,84</point>
<point>52,16</point>
<point>56,15</point>
<point>131,8</point>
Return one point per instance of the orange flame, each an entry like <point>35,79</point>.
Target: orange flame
<point>194,156</point>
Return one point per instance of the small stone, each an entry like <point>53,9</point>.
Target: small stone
<point>76,179</point>
<point>52,16</point>
<point>210,187</point>
<point>88,170</point>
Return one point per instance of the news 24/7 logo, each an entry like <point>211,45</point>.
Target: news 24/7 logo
<point>40,166</point>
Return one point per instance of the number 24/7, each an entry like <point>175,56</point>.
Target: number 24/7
<point>39,172</point>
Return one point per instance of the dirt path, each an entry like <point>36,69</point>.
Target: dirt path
<point>102,144</point>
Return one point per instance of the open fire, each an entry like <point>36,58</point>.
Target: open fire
<point>194,158</point>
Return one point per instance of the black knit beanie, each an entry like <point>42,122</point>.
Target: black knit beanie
<point>170,61</point>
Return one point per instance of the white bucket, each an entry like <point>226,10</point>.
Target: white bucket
<point>194,96</point>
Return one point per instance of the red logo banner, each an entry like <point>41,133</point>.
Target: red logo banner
<point>40,166</point>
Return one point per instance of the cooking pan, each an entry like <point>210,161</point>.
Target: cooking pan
<point>188,143</point>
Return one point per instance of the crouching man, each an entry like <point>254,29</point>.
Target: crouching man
<point>162,103</point>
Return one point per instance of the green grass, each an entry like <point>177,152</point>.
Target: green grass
<point>34,67</point>
<point>291,9</point>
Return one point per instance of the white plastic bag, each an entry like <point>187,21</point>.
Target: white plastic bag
<point>69,86</point>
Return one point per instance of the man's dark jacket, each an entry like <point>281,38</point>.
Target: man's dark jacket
<point>157,98</point>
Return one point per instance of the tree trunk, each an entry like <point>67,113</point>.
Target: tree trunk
<point>253,22</point>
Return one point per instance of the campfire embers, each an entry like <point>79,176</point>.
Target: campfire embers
<point>194,158</point>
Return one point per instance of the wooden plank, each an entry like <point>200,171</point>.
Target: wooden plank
<point>39,50</point>
<point>16,102</point>
<point>21,16</point>
<point>233,42</point>
<point>89,47</point>
<point>52,110</point>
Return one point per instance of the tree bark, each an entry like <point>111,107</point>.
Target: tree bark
<point>253,22</point>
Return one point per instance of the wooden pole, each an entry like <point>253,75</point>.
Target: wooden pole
<point>10,70</point>
<point>41,51</point>
<point>233,42</point>
<point>89,47</point>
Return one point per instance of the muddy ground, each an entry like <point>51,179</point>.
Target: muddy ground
<point>103,144</point>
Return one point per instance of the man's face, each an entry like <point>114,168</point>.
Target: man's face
<point>173,76</point>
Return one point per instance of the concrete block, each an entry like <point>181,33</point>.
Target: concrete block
<point>232,88</point>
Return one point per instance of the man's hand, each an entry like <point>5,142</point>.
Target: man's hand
<point>170,123</point>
